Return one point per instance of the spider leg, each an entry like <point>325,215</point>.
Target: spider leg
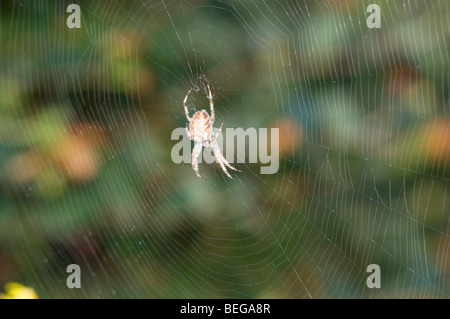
<point>185,107</point>
<point>195,153</point>
<point>217,151</point>
<point>211,104</point>
<point>218,132</point>
<point>222,161</point>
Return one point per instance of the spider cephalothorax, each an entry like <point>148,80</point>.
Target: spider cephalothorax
<point>200,131</point>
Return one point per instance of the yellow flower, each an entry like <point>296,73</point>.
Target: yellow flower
<point>14,290</point>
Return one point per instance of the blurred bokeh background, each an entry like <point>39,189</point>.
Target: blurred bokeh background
<point>86,175</point>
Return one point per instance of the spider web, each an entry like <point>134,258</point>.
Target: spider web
<point>87,176</point>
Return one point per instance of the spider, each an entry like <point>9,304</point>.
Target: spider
<point>200,130</point>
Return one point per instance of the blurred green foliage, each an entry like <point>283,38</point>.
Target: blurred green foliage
<point>86,176</point>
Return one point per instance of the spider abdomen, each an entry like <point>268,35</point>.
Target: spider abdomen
<point>200,127</point>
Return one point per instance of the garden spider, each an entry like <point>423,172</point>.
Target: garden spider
<point>200,130</point>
